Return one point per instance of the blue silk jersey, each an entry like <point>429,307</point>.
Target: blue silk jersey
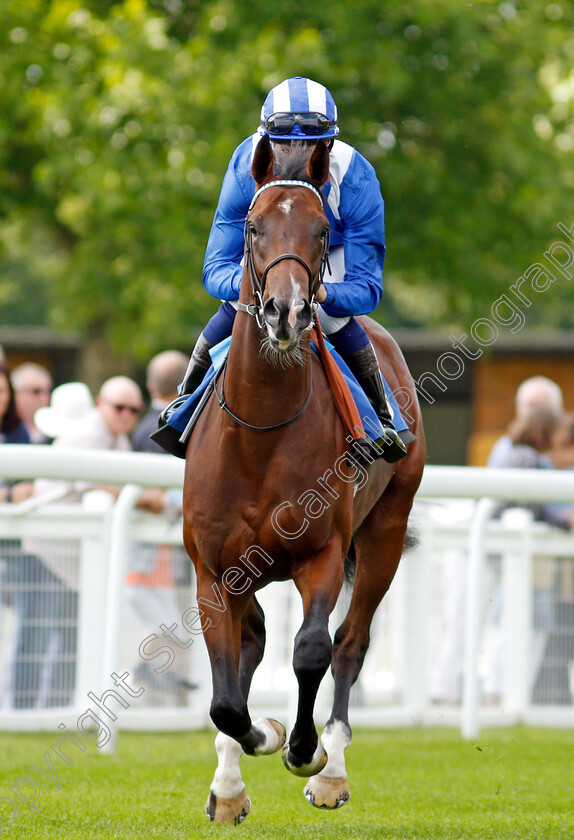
<point>354,207</point>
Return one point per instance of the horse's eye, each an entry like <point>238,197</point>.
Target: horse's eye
<point>252,230</point>
<point>324,233</point>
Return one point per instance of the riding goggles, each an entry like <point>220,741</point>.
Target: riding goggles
<point>310,123</point>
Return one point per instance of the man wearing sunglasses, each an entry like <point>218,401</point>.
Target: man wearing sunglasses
<point>32,388</point>
<point>299,112</point>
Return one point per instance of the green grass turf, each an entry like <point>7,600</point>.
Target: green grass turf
<point>421,784</point>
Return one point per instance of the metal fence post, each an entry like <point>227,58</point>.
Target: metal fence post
<point>94,572</point>
<point>119,548</point>
<point>473,626</point>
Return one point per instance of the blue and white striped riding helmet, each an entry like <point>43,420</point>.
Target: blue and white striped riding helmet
<point>306,99</point>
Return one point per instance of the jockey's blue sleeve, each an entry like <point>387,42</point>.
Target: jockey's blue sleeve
<point>360,228</point>
<point>355,210</point>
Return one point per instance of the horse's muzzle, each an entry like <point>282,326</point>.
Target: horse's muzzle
<point>286,320</point>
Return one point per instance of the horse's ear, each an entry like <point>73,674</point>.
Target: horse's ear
<point>262,166</point>
<point>318,168</point>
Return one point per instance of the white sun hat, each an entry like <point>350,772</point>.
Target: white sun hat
<point>69,404</point>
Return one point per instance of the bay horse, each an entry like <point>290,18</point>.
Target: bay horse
<point>269,495</point>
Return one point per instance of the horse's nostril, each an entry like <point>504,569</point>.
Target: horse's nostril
<point>304,315</point>
<point>271,312</point>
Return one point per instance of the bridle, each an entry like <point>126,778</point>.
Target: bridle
<point>258,288</point>
<point>258,283</point>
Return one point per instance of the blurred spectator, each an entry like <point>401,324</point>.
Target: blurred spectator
<point>41,662</point>
<point>32,388</point>
<point>532,393</point>
<point>561,454</point>
<point>164,373</point>
<point>12,429</point>
<point>560,649</point>
<point>562,449</point>
<point>14,566</point>
<point>155,571</point>
<point>74,421</point>
<point>446,677</point>
<point>531,436</point>
<point>69,406</point>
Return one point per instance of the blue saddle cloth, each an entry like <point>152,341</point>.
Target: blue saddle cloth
<point>180,418</point>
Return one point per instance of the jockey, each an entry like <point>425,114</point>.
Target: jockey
<point>301,111</point>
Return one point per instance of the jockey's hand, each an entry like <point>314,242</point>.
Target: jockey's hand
<point>321,294</point>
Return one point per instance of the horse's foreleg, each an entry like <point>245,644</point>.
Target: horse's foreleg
<point>252,644</point>
<point>329,789</point>
<point>304,755</point>
<point>228,711</point>
<point>228,801</point>
<point>385,526</point>
<point>252,648</point>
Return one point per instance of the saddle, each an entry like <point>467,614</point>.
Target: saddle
<point>355,409</point>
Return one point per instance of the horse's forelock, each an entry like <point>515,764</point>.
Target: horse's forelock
<point>291,161</point>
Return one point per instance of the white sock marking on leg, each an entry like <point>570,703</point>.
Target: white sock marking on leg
<point>335,740</point>
<point>227,781</point>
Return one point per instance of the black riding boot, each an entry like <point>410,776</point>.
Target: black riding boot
<point>166,436</point>
<point>365,366</point>
<point>199,363</point>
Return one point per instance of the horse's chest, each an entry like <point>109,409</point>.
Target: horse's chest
<point>280,511</point>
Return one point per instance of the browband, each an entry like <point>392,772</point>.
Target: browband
<point>285,184</point>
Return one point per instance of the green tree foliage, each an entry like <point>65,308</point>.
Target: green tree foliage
<point>117,120</point>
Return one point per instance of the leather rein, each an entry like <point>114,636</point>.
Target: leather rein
<point>255,309</point>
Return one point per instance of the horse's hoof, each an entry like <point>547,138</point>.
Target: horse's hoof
<point>274,735</point>
<point>327,792</point>
<point>227,811</point>
<point>298,768</point>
